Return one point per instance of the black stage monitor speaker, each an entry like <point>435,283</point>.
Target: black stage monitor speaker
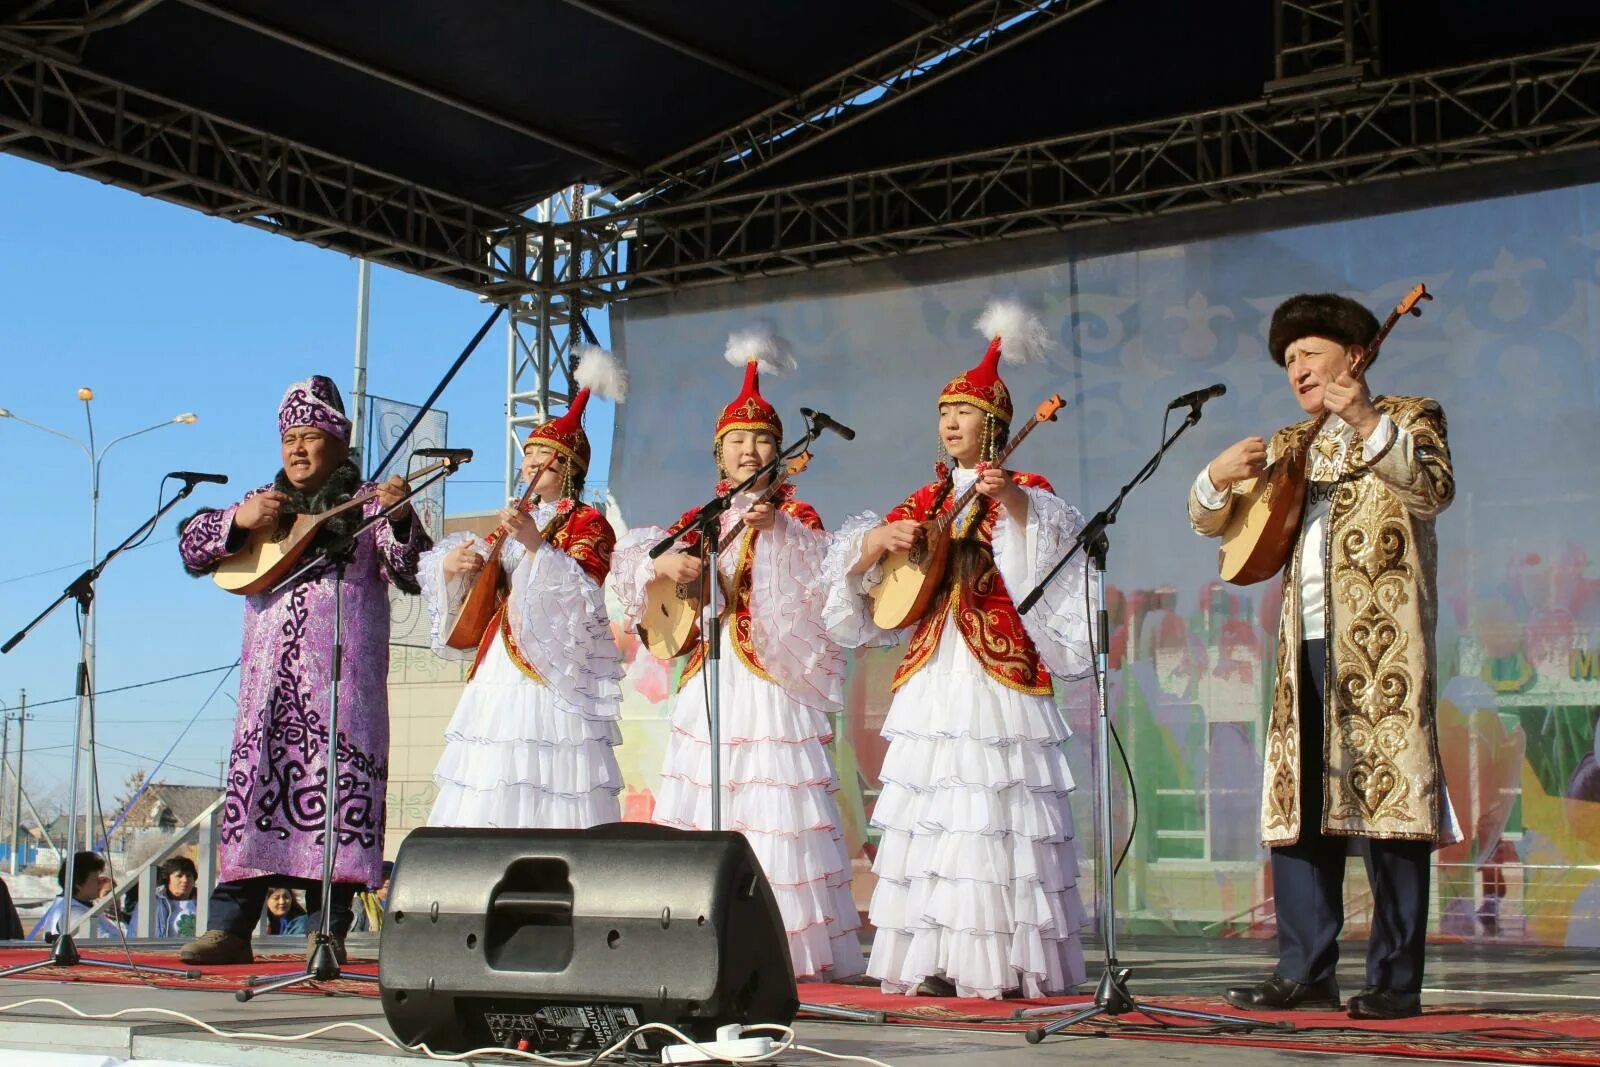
<point>564,940</point>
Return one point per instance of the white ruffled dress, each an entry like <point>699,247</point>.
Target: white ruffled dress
<point>778,780</point>
<point>519,753</point>
<point>977,869</point>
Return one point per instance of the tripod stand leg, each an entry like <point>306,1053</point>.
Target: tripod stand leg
<point>27,968</point>
<point>847,1015</point>
<point>321,966</point>
<point>64,953</point>
<point>1212,1017</point>
<point>1039,1033</point>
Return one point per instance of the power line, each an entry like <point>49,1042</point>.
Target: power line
<point>80,563</point>
<point>139,685</point>
<point>155,760</point>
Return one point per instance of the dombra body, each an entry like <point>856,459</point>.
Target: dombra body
<point>272,551</point>
<point>913,577</point>
<point>669,626</point>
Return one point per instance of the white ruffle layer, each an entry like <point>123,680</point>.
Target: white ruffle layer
<point>778,786</point>
<point>442,595</point>
<point>557,614</point>
<point>844,613</point>
<point>977,871</point>
<point>1058,625</point>
<point>517,755</point>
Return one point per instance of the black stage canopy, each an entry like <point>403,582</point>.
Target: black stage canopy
<point>407,130</point>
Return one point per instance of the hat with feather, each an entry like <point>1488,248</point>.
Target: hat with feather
<point>597,374</point>
<point>756,349</point>
<point>1016,336</point>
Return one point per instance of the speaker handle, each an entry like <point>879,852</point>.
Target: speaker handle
<point>531,905</point>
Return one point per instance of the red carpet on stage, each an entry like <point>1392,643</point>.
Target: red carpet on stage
<point>1532,1037</point>
<point>1524,1037</point>
<point>222,979</point>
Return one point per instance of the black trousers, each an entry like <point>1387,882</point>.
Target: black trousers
<point>236,906</point>
<point>1308,876</point>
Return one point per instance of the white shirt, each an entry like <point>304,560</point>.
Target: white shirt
<point>1335,437</point>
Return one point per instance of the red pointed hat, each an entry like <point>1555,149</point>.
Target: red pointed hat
<point>1016,336</point>
<point>599,373</point>
<point>757,349</point>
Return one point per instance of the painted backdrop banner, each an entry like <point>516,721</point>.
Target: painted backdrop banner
<point>1509,347</point>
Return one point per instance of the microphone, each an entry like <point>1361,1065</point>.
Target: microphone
<point>454,455</point>
<point>194,477</point>
<point>822,421</point>
<point>1198,397</point>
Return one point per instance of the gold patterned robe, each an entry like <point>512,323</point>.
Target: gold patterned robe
<point>1382,777</point>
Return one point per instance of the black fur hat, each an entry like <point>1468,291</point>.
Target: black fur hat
<point>1338,318</point>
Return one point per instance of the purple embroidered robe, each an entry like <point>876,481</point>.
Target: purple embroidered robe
<point>273,815</point>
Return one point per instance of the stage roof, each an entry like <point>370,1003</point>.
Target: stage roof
<point>496,104</point>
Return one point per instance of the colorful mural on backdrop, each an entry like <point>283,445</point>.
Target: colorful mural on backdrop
<point>1509,348</point>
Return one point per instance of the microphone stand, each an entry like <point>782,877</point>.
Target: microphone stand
<point>322,965</point>
<point>64,950</point>
<point>1112,996</point>
<point>706,521</point>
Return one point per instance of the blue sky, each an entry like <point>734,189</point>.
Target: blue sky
<point>163,310</point>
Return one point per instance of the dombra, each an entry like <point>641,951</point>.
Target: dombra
<point>670,623</point>
<point>1265,520</point>
<point>489,588</point>
<point>272,551</point>
<point>912,577</point>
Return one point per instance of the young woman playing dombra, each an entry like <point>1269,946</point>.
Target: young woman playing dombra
<point>530,744</point>
<point>977,874</point>
<point>779,676</point>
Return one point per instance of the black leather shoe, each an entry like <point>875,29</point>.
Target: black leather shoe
<point>1285,994</point>
<point>1385,1004</point>
<point>936,985</point>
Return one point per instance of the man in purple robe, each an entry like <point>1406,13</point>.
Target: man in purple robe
<point>273,817</point>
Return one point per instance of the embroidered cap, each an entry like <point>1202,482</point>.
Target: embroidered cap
<point>597,373</point>
<point>316,403</point>
<point>1015,335</point>
<point>756,349</point>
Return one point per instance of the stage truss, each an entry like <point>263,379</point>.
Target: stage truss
<point>1328,119</point>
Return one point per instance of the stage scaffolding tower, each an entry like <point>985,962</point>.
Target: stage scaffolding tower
<point>570,243</point>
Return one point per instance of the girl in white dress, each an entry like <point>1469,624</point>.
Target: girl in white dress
<point>779,676</point>
<point>977,873</point>
<point>530,744</point>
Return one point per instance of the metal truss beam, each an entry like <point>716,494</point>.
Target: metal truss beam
<point>905,68</point>
<point>1528,106</point>
<point>1318,41</point>
<point>56,113</point>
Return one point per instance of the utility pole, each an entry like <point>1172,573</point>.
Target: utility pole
<point>5,755</point>
<point>16,796</point>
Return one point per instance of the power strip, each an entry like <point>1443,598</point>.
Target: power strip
<point>728,1047</point>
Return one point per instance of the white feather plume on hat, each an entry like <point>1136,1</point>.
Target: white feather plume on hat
<point>1022,336</point>
<point>599,372</point>
<point>771,353</point>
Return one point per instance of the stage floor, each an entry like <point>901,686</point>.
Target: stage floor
<point>1498,980</point>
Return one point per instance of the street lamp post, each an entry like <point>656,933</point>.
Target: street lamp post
<point>87,683</point>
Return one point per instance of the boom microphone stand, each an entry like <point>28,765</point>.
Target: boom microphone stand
<point>64,951</point>
<point>322,965</point>
<point>1112,996</point>
<point>707,523</point>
